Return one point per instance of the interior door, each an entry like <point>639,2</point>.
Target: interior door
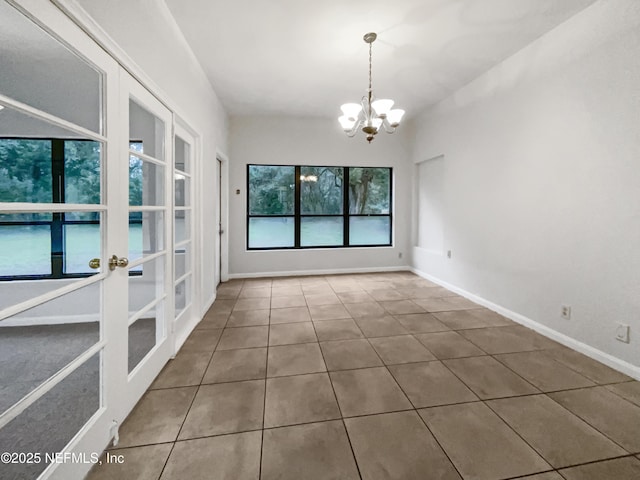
<point>149,189</point>
<point>58,212</point>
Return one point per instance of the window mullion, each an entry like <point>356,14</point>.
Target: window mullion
<point>57,179</point>
<point>296,207</point>
<point>345,207</point>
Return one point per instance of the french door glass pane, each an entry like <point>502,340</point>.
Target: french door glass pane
<point>182,260</point>
<point>265,232</point>
<point>182,225</point>
<point>40,341</point>
<point>147,286</point>
<point>182,157</point>
<point>182,191</point>
<point>146,183</point>
<point>50,423</point>
<point>40,71</point>
<point>182,292</point>
<point>25,249</point>
<point>82,161</point>
<point>82,242</point>
<point>142,338</point>
<point>321,190</point>
<point>369,231</point>
<point>147,130</point>
<point>146,234</point>
<point>321,231</point>
<point>25,169</point>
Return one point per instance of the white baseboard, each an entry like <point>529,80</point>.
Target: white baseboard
<point>602,357</point>
<point>333,271</point>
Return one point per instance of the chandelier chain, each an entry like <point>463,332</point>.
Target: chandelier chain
<point>370,61</point>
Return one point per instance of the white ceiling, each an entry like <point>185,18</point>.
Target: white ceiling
<point>306,58</point>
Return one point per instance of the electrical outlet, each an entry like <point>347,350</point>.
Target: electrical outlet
<point>622,333</point>
<point>565,312</point>
<point>400,255</point>
<point>448,253</point>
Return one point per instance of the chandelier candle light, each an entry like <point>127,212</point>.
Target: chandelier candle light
<point>370,114</point>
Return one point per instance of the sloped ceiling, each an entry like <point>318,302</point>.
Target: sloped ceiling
<point>306,58</point>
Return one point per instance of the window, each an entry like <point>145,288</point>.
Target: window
<point>310,207</point>
<point>50,171</point>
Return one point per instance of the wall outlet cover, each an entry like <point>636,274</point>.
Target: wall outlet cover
<point>622,333</point>
<point>565,312</point>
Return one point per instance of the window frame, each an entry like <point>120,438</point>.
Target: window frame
<point>297,215</point>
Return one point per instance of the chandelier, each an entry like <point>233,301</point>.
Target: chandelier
<point>370,114</point>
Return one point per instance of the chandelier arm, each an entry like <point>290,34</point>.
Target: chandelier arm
<point>387,126</point>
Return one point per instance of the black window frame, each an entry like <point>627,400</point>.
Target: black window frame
<point>58,221</point>
<point>297,215</point>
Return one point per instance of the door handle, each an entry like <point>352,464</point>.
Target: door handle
<point>114,262</point>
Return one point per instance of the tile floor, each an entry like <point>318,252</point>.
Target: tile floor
<point>375,376</point>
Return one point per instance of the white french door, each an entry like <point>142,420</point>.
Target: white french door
<point>86,243</point>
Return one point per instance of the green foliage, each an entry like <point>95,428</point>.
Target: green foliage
<point>271,190</point>
<point>25,171</point>
<point>369,190</point>
<point>323,195</point>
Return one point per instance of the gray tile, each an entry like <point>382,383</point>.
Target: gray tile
<point>252,304</point>
<point>202,341</point>
<point>141,463</point>
<point>213,320</point>
<point>424,292</point>
<point>243,337</point>
<point>235,365</point>
<point>314,451</point>
<point>225,408</point>
<point>544,476</point>
<point>257,282</point>
<point>488,378</point>
<point>286,291</point>
<point>443,304</point>
<point>401,349</point>
<point>397,446</point>
<point>288,301</point>
<point>157,417</point>
<point>328,312</point>
<point>401,307</point>
<point>299,399</point>
<point>248,318</point>
<point>184,370</point>
<point>257,292</point>
<point>349,354</point>
<point>228,457</point>
<point>228,291</point>
<point>508,339</point>
<point>554,432</point>
<point>380,327</point>
<point>322,299</point>
<point>387,295</point>
<point>431,384</point>
<point>542,371</point>
<point>592,369</point>
<point>290,333</point>
<point>295,360</point>
<point>628,390</point>
<point>317,288</point>
<point>461,319</point>
<point>366,391</point>
<point>222,306</point>
<point>337,330</point>
<point>421,323</point>
<point>290,315</point>
<point>619,469</point>
<point>491,318</point>
<point>615,417</point>
<point>359,296</point>
<point>479,444</point>
<point>446,345</point>
<point>364,310</point>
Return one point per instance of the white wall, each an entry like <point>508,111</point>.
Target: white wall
<point>148,34</point>
<point>542,180</point>
<point>312,141</point>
